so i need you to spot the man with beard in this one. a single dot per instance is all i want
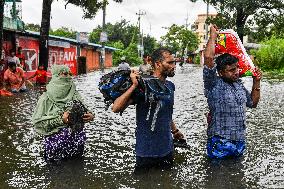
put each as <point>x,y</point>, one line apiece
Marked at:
<point>227,100</point>
<point>154,147</point>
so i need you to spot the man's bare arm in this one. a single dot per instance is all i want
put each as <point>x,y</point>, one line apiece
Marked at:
<point>209,51</point>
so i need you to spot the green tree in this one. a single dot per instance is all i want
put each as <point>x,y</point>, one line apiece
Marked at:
<point>268,25</point>
<point>271,55</point>
<point>179,38</point>
<point>235,14</point>
<point>89,7</point>
<point>64,32</point>
<point>123,36</point>
<point>32,27</point>
<point>120,31</point>
<point>150,43</point>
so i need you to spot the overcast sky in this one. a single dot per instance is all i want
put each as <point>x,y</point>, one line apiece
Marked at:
<point>159,14</point>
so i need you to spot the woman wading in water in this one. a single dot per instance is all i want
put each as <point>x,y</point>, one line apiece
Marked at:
<point>60,116</point>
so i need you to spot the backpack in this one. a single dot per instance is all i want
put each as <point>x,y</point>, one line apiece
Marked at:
<point>114,84</point>
<point>150,90</point>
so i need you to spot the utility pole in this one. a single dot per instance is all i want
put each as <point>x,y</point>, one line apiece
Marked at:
<point>141,13</point>
<point>186,21</point>
<point>142,45</point>
<point>206,25</point>
<point>103,38</point>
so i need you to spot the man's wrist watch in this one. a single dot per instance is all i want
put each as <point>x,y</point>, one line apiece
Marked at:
<point>256,89</point>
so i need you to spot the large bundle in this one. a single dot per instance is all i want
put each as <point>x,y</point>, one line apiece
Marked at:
<point>229,42</point>
<point>150,90</point>
<point>114,84</point>
<point>76,111</point>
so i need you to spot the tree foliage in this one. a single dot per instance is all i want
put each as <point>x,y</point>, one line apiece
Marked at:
<point>179,38</point>
<point>89,7</point>
<point>124,36</point>
<point>268,25</point>
<point>150,43</point>
<point>64,32</point>
<point>271,55</point>
<point>120,31</point>
<point>32,27</point>
<point>238,15</point>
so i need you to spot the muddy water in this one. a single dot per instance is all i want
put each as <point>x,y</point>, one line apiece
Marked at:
<point>109,159</point>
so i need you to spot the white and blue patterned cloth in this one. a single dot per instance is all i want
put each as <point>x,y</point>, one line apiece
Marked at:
<point>227,104</point>
<point>64,144</point>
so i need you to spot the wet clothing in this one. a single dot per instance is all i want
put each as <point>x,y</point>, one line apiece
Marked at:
<point>144,163</point>
<point>51,105</point>
<point>123,66</point>
<point>64,144</point>
<point>159,142</point>
<point>146,69</point>
<point>22,60</point>
<point>227,104</point>
<point>218,147</point>
<point>59,97</point>
<point>41,76</point>
<point>15,79</point>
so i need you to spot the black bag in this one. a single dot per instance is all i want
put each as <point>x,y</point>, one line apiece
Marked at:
<point>114,84</point>
<point>76,113</point>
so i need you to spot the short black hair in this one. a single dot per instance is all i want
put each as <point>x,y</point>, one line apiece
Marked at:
<point>145,55</point>
<point>225,59</point>
<point>157,55</point>
<point>11,64</point>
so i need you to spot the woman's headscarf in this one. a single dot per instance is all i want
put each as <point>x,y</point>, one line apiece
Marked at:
<point>59,91</point>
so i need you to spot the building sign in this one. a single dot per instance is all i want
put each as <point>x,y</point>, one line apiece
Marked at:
<point>57,55</point>
<point>59,43</point>
<point>82,37</point>
<point>103,37</point>
<point>63,56</point>
<point>31,59</point>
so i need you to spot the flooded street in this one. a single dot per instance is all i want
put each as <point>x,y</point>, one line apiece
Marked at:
<point>109,159</point>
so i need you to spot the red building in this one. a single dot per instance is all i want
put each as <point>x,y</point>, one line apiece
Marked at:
<point>61,51</point>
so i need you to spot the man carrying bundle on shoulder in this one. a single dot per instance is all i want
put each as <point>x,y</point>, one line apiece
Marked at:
<point>155,126</point>
<point>227,100</point>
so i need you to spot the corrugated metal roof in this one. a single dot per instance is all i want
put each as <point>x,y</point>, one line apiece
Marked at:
<point>70,40</point>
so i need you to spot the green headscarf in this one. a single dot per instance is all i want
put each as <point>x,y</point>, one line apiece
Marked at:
<point>51,104</point>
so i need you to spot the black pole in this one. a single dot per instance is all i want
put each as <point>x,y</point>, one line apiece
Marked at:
<point>102,62</point>
<point>44,33</point>
<point>2,2</point>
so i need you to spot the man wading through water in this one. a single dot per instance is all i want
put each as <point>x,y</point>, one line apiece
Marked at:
<point>154,147</point>
<point>227,99</point>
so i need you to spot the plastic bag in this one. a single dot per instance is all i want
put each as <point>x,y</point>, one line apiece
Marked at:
<point>229,42</point>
